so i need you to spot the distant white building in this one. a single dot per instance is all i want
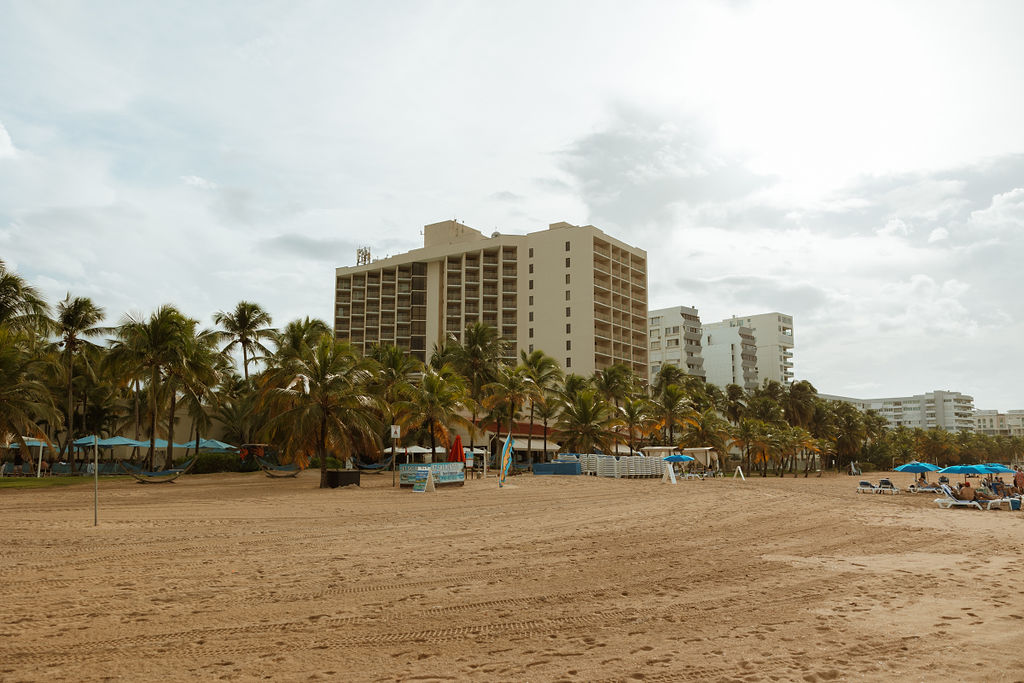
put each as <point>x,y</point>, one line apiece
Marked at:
<point>774,335</point>
<point>994,423</point>
<point>730,355</point>
<point>949,410</point>
<point>674,338</point>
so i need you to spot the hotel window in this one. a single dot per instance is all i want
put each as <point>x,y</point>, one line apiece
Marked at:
<point>531,299</point>
<point>566,261</point>
<point>568,328</point>
<point>568,362</point>
<point>531,316</point>
<point>567,278</point>
<point>568,312</point>
<point>567,295</point>
<point>567,246</point>
<point>531,269</point>
<point>568,345</point>
<point>531,286</point>
<point>531,252</point>
<point>531,348</point>
<point>531,333</point>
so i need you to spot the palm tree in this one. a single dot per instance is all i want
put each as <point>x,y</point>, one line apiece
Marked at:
<point>193,372</point>
<point>323,400</point>
<point>393,378</point>
<point>735,402</point>
<point>436,403</point>
<point>152,346</point>
<point>25,401</point>
<point>508,394</point>
<point>478,359</point>
<point>668,375</point>
<point>673,408</point>
<point>586,422</point>
<point>614,383</point>
<point>544,372</point>
<point>21,305</point>
<point>798,403</point>
<point>707,429</point>
<point>298,333</point>
<point>76,319</point>
<point>635,414</point>
<point>245,327</point>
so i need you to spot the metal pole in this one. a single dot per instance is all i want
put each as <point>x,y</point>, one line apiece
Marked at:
<point>96,481</point>
<point>394,459</point>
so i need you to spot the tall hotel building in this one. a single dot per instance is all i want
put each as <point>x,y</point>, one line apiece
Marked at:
<point>571,291</point>
<point>773,333</point>
<point>674,337</point>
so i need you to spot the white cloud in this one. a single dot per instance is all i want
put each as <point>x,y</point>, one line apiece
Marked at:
<point>937,235</point>
<point>196,181</point>
<point>7,150</point>
<point>1006,213</point>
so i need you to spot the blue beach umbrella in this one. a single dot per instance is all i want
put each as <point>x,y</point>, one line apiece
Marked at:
<point>996,468</point>
<point>679,458</point>
<point>917,467</point>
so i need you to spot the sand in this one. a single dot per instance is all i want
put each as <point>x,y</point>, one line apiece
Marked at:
<point>239,577</point>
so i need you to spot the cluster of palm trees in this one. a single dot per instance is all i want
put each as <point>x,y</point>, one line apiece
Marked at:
<point>64,374</point>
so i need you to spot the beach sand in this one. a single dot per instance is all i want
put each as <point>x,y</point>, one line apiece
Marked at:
<point>240,577</point>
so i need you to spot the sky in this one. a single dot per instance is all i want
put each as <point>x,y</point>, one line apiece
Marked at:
<point>859,166</point>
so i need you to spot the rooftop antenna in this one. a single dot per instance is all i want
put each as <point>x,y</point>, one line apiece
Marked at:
<point>362,256</point>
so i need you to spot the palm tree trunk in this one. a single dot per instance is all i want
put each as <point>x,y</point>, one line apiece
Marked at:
<point>430,428</point>
<point>152,417</point>
<point>169,462</point>
<point>529,440</point>
<point>138,421</point>
<point>322,447</point>
<point>245,363</point>
<point>71,414</point>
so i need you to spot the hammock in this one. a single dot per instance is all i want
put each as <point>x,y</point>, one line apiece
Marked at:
<point>278,471</point>
<point>374,466</point>
<point>161,477</point>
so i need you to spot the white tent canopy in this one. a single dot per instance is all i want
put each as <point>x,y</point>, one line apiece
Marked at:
<point>537,445</point>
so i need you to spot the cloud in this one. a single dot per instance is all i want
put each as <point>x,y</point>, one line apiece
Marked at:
<point>1004,214</point>
<point>641,170</point>
<point>7,150</point>
<point>937,235</point>
<point>335,251</point>
<point>506,196</point>
<point>196,181</point>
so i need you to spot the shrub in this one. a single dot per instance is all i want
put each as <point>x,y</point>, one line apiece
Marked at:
<point>207,463</point>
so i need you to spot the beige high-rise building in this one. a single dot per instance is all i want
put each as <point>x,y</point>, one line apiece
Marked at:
<point>571,291</point>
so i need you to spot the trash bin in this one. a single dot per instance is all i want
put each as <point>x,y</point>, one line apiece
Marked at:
<point>336,478</point>
<point>333,478</point>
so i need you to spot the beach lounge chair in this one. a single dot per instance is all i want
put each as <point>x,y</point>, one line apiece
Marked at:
<point>950,501</point>
<point>865,486</point>
<point>930,488</point>
<point>886,486</point>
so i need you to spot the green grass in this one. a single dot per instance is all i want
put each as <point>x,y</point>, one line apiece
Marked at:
<point>47,482</point>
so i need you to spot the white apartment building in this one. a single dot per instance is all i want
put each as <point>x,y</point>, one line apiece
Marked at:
<point>730,355</point>
<point>675,339</point>
<point>949,410</point>
<point>774,335</point>
<point>994,423</point>
<point>571,291</point>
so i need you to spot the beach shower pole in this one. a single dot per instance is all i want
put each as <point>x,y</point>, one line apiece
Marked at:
<point>396,431</point>
<point>95,481</point>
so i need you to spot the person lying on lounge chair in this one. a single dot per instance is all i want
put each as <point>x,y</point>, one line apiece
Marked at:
<point>962,491</point>
<point>921,482</point>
